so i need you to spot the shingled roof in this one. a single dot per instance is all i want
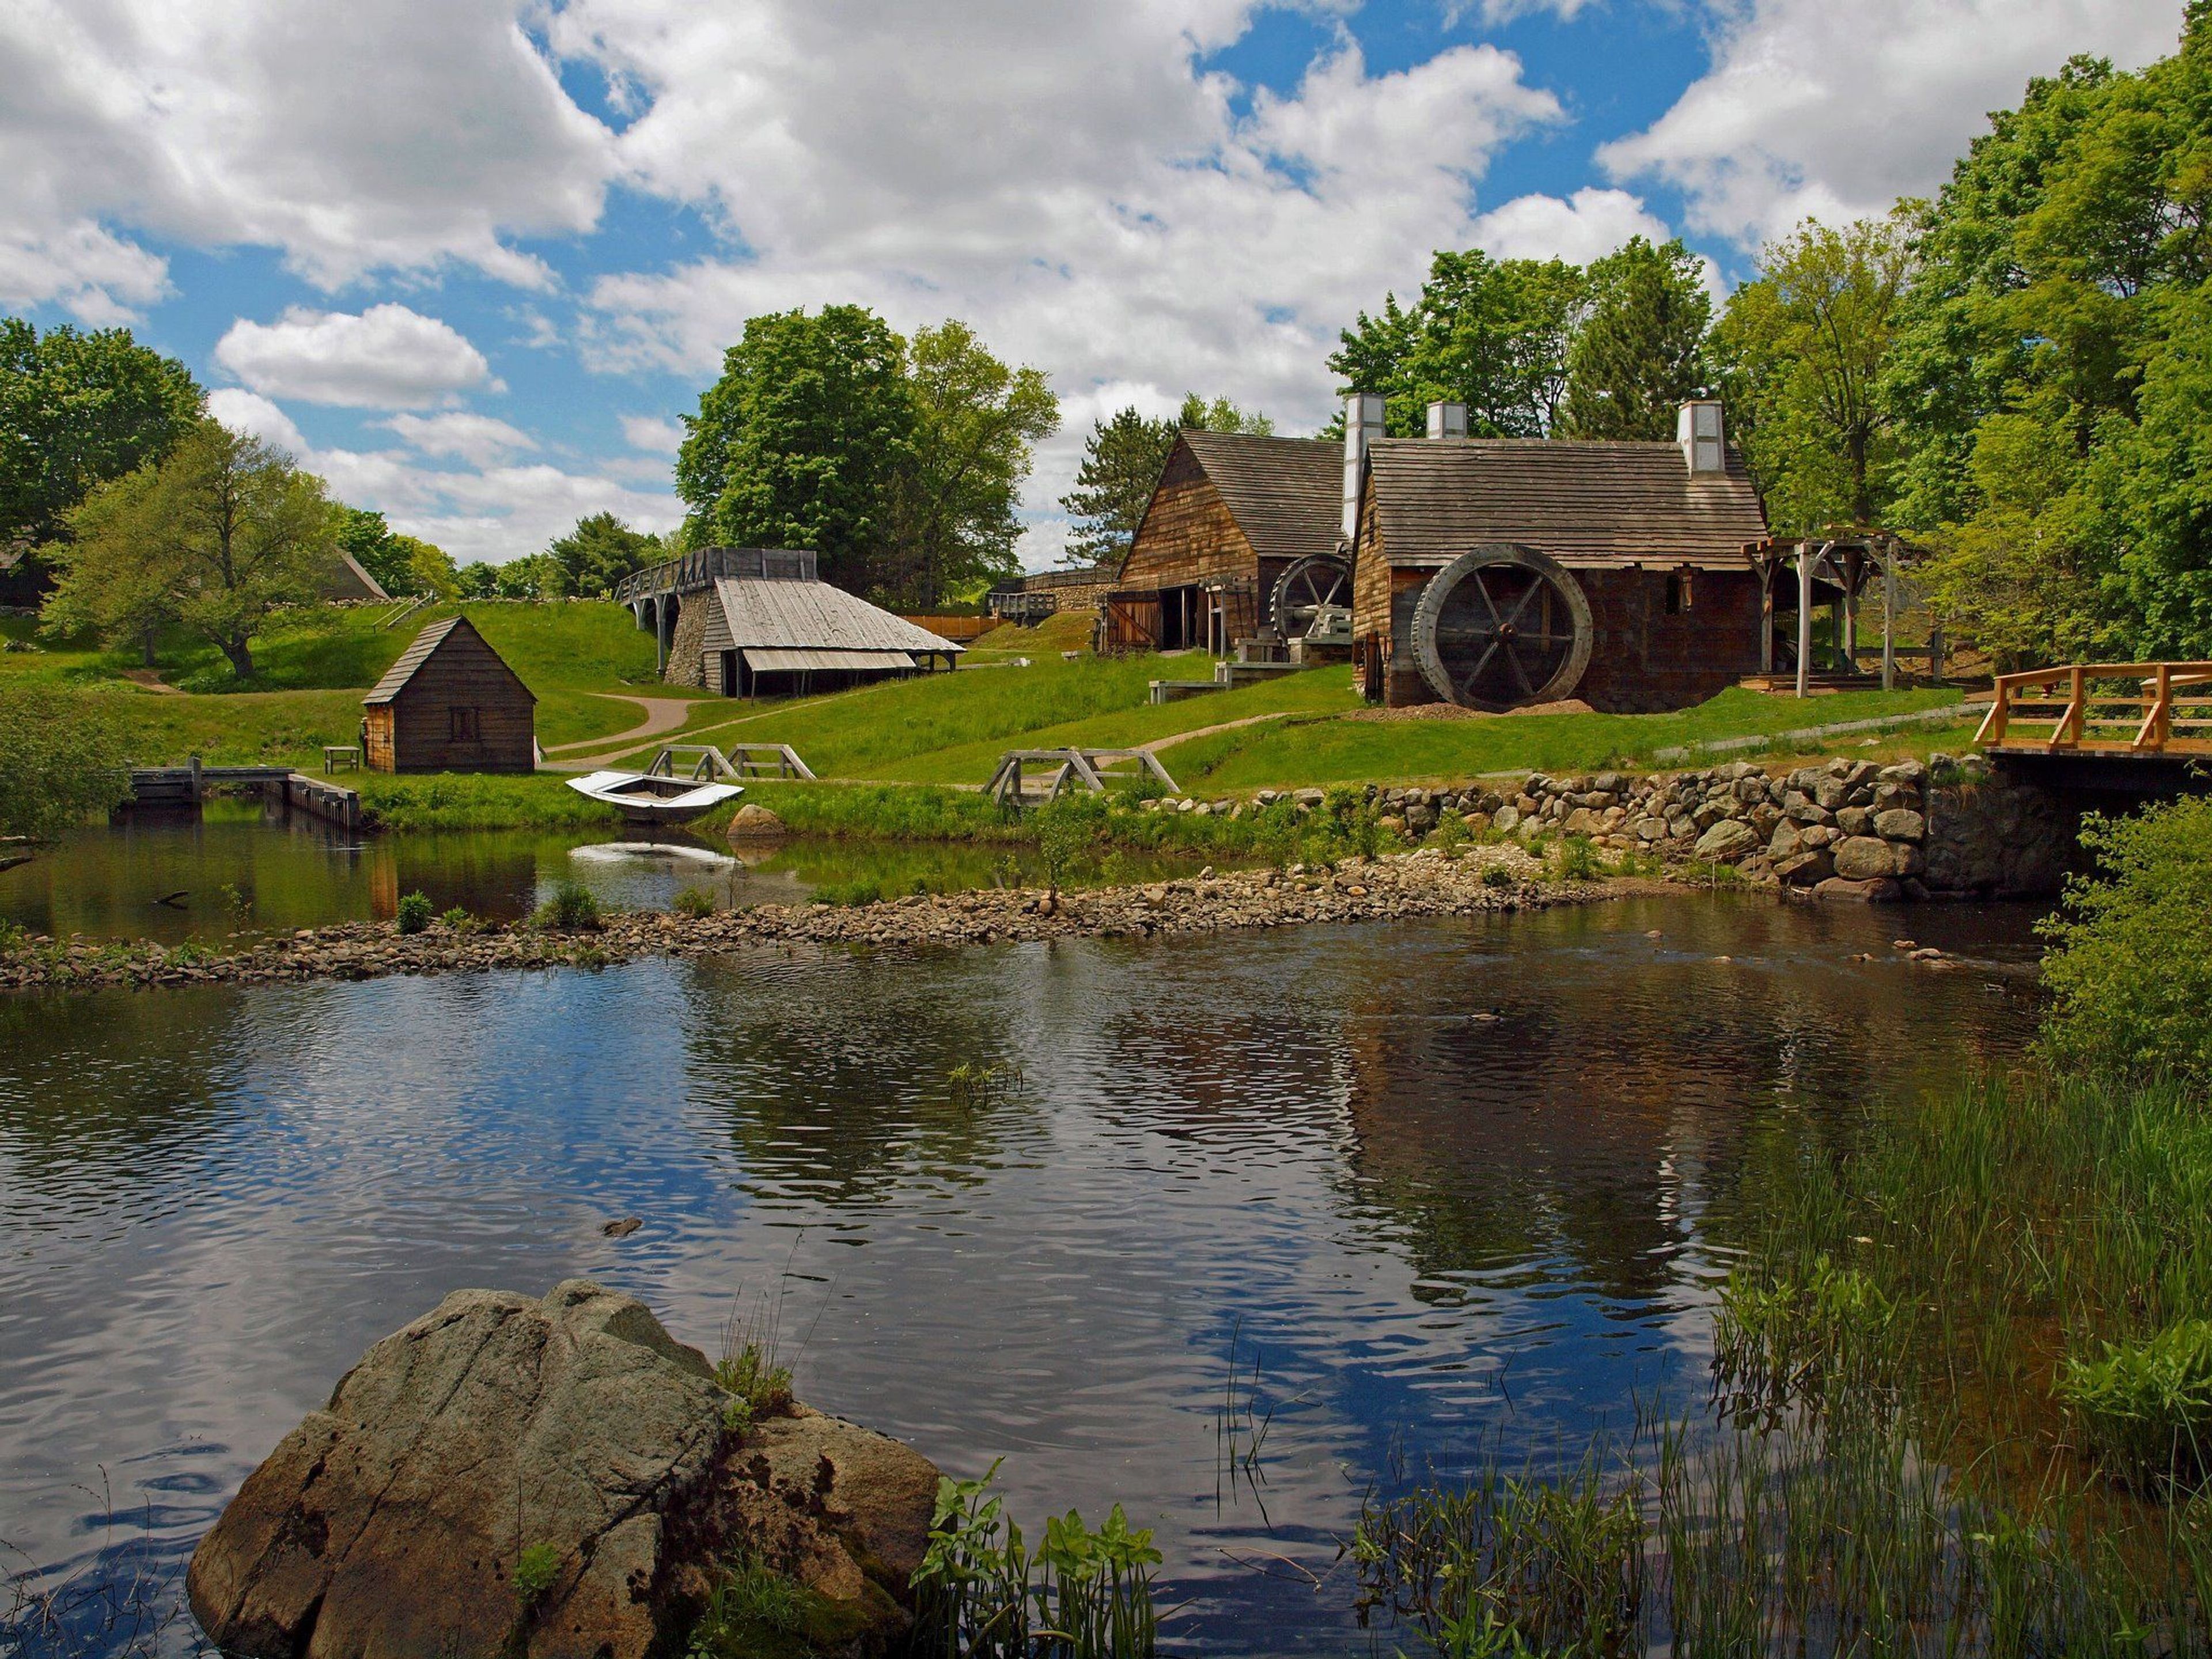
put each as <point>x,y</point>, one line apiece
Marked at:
<point>1285,493</point>
<point>1587,504</point>
<point>426,645</point>
<point>772,613</point>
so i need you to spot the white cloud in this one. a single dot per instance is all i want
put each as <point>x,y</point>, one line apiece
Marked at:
<point>79,266</point>
<point>477,438</point>
<point>1083,191</point>
<point>386,358</point>
<point>1815,109</point>
<point>255,416</point>
<point>494,513</point>
<point>1586,226</point>
<point>403,135</point>
<point>651,432</point>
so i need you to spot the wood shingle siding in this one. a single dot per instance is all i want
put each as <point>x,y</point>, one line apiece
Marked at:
<point>450,703</point>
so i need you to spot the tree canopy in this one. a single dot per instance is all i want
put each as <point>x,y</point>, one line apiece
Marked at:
<point>76,411</point>
<point>899,465</point>
<point>1121,463</point>
<point>602,550</point>
<point>1489,333</point>
<point>1639,348</point>
<point>213,538</point>
<point>402,564</point>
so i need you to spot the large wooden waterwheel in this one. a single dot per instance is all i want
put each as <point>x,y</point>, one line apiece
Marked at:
<point>1502,626</point>
<point>1317,583</point>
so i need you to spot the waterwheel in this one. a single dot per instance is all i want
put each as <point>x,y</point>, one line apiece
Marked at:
<point>1317,583</point>
<point>1501,626</point>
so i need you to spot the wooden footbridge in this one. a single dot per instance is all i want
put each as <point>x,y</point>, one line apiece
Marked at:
<point>2118,725</point>
<point>1035,774</point>
<point>183,788</point>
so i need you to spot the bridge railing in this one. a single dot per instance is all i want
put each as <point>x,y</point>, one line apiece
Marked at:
<point>2115,709</point>
<point>689,571</point>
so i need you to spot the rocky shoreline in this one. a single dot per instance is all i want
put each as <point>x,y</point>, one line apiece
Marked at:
<point>1395,887</point>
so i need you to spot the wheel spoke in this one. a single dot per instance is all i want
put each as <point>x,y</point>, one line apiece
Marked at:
<point>1475,673</point>
<point>1513,658</point>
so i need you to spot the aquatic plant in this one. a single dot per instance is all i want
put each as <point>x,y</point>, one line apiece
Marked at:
<point>458,920</point>
<point>415,913</point>
<point>1083,1595</point>
<point>976,1085</point>
<point>115,1602</point>
<point>2147,1405</point>
<point>572,908</point>
<point>861,890</point>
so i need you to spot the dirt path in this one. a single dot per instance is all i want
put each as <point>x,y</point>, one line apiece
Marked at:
<point>1175,737</point>
<point>662,714</point>
<point>151,679</point>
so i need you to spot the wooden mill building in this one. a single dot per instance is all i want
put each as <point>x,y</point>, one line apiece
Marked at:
<point>450,704</point>
<point>1231,514</point>
<point>1639,549</point>
<point>758,622</point>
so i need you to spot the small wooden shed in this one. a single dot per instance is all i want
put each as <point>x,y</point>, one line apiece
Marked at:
<point>450,704</point>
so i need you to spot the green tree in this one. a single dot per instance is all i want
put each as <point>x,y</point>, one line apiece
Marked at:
<point>218,535</point>
<point>1492,334</point>
<point>1121,463</point>
<point>599,552</point>
<point>1801,351</point>
<point>476,581</point>
<point>78,410</point>
<point>1639,349</point>
<point>429,567</point>
<point>60,761</point>
<point>801,442</point>
<point>1221,416</point>
<point>976,421</point>
<point>2050,369</point>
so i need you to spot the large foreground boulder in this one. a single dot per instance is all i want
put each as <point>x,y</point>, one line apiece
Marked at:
<point>571,1437</point>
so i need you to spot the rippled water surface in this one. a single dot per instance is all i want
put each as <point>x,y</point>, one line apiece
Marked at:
<point>1450,1186</point>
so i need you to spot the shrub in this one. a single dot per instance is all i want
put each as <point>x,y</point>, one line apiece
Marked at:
<point>458,920</point>
<point>863,891</point>
<point>2128,972</point>
<point>693,902</point>
<point>572,908</point>
<point>2147,1406</point>
<point>60,761</point>
<point>1578,860</point>
<point>415,913</point>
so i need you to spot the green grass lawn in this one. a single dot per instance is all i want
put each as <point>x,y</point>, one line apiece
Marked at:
<point>1336,750</point>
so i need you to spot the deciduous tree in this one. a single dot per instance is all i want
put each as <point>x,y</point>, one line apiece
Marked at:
<point>214,538</point>
<point>599,552</point>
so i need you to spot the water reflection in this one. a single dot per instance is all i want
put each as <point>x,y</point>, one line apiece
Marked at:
<point>1446,1186</point>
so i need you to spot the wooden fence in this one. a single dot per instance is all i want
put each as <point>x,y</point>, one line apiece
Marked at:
<point>2103,708</point>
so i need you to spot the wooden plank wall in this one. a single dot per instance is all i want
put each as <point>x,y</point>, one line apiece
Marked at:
<point>463,672</point>
<point>1188,535</point>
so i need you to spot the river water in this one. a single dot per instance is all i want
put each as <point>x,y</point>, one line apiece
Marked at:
<point>241,870</point>
<point>1449,1188</point>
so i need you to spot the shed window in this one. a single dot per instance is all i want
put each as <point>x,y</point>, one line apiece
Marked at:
<point>1678,592</point>
<point>467,725</point>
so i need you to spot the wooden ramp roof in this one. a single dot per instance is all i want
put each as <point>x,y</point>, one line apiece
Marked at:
<point>425,647</point>
<point>1285,493</point>
<point>1587,504</point>
<point>783,614</point>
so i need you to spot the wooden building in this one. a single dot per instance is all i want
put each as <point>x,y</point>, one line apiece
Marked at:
<point>1497,573</point>
<point>1232,516</point>
<point>752,621</point>
<point>450,704</point>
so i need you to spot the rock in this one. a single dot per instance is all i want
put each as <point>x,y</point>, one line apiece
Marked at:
<point>1831,792</point>
<point>1854,820</point>
<point>1900,824</point>
<point>390,1523</point>
<point>1726,841</point>
<point>1864,857</point>
<point>756,823</point>
<point>387,1522</point>
<point>1879,891</point>
<point>1806,869</point>
<point>1650,829</point>
<point>1507,819</point>
<point>623,1228</point>
<point>1582,822</point>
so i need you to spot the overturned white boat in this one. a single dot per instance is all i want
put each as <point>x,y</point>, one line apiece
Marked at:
<point>648,798</point>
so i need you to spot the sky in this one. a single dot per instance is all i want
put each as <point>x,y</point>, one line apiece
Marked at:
<point>472,261</point>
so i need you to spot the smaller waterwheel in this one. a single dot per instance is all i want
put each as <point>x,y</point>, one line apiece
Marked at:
<point>1317,584</point>
<point>1502,626</point>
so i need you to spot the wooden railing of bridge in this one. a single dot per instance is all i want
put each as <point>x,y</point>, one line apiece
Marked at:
<point>2134,708</point>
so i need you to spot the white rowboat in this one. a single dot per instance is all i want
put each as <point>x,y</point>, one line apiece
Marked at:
<point>642,798</point>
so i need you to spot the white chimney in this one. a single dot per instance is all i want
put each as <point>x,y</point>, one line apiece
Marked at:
<point>1362,425</point>
<point>1698,433</point>
<point>1447,420</point>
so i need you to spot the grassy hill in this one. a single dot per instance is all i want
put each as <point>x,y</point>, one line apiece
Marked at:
<point>1017,688</point>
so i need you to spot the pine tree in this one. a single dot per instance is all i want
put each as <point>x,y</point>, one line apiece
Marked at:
<point>1121,463</point>
<point>1641,348</point>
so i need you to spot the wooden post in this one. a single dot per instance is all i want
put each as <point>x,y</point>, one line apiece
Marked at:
<point>1936,651</point>
<point>1767,616</point>
<point>1888,616</point>
<point>1804,614</point>
<point>1854,567</point>
<point>194,764</point>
